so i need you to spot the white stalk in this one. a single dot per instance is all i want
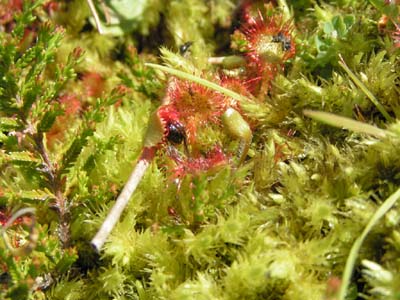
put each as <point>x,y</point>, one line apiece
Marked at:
<point>120,204</point>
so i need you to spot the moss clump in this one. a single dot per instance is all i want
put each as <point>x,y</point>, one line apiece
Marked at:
<point>74,107</point>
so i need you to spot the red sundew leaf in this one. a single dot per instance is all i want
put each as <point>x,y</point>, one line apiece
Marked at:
<point>260,76</point>
<point>194,166</point>
<point>250,9</point>
<point>192,99</point>
<point>8,9</point>
<point>195,105</point>
<point>93,83</point>
<point>269,44</point>
<point>71,104</point>
<point>167,114</point>
<point>15,4</point>
<point>51,7</point>
<point>191,129</point>
<point>27,39</point>
<point>5,216</point>
<point>237,85</point>
<point>262,33</point>
<point>332,287</point>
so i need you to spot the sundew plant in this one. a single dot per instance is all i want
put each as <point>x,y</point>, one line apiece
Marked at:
<point>191,149</point>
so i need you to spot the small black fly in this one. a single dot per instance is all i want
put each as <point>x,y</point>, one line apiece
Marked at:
<point>177,134</point>
<point>185,47</point>
<point>281,38</point>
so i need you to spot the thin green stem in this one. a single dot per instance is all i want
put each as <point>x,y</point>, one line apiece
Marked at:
<point>199,80</point>
<point>351,260</point>
<point>366,91</point>
<point>342,122</point>
<point>228,62</point>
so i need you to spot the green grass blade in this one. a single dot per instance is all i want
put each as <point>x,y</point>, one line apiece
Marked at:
<point>351,260</point>
<point>366,91</point>
<point>342,122</point>
<point>199,80</point>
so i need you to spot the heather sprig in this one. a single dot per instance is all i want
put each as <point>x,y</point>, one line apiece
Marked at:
<point>32,83</point>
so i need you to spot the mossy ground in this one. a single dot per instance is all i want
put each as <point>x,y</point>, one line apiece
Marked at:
<point>279,226</point>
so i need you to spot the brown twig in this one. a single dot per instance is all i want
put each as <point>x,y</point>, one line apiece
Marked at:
<point>61,203</point>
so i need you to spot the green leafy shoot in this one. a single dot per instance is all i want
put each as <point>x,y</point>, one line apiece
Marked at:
<point>365,90</point>
<point>351,260</point>
<point>342,122</point>
<point>390,10</point>
<point>27,17</point>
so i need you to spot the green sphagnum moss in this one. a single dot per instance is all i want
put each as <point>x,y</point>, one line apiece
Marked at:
<point>312,212</point>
